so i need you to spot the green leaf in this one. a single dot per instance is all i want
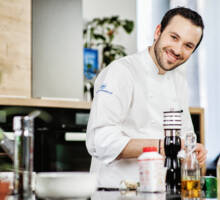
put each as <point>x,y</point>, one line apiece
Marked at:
<point>128,26</point>
<point>113,19</point>
<point>102,33</point>
<point>99,37</point>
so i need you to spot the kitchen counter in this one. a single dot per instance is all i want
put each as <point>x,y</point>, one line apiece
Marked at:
<point>123,195</point>
<point>133,195</point>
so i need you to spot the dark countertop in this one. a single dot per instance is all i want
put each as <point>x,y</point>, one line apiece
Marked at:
<point>133,195</point>
<point>121,195</point>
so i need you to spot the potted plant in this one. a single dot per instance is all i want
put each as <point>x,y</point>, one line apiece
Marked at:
<point>100,33</point>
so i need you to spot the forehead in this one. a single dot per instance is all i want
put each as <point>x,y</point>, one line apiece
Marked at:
<point>184,28</point>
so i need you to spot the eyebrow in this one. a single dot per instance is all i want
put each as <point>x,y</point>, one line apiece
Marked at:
<point>177,35</point>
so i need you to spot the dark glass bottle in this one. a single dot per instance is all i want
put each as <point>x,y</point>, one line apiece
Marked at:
<point>172,145</point>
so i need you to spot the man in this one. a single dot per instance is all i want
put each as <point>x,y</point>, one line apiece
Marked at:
<point>131,95</point>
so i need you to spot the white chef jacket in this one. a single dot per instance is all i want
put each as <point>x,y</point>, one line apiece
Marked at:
<point>129,100</point>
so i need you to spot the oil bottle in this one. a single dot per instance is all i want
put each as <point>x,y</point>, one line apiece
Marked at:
<point>190,170</point>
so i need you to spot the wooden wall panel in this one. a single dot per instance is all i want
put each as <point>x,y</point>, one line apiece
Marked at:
<point>15,48</point>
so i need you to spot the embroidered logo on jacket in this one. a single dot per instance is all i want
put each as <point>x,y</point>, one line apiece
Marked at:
<point>103,88</point>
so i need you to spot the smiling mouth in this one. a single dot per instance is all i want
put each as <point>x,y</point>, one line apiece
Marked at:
<point>171,57</point>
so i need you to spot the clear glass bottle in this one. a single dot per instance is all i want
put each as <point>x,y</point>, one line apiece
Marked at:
<point>23,153</point>
<point>190,170</point>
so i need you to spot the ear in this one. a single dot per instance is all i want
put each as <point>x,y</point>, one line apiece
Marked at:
<point>157,32</point>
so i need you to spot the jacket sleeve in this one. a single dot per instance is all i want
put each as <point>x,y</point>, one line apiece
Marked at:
<point>112,98</point>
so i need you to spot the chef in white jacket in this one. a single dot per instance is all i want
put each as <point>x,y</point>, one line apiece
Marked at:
<point>131,94</point>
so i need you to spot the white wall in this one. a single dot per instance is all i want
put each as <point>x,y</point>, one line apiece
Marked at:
<point>126,9</point>
<point>209,75</point>
<point>57,48</point>
<point>149,15</point>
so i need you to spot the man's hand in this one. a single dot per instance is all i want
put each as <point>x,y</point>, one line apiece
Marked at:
<point>201,153</point>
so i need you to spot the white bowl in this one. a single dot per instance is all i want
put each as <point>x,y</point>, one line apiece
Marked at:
<point>65,184</point>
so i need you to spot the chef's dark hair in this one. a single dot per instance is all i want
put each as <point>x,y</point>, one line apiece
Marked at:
<point>187,13</point>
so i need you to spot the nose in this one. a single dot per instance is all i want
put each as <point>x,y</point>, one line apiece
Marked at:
<point>177,49</point>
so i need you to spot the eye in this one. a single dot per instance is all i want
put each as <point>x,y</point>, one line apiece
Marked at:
<point>189,46</point>
<point>173,37</point>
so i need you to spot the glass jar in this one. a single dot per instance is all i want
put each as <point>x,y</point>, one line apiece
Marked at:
<point>190,170</point>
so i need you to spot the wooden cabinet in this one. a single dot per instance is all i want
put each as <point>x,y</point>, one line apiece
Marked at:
<point>41,48</point>
<point>15,48</point>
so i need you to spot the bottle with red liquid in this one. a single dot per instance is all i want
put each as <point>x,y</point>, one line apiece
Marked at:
<point>172,145</point>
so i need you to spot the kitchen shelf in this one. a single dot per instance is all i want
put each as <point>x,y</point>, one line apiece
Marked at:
<point>45,103</point>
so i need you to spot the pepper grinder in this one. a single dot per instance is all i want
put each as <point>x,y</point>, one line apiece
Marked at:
<point>172,145</point>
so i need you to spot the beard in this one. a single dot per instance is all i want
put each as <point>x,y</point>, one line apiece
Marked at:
<point>158,51</point>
